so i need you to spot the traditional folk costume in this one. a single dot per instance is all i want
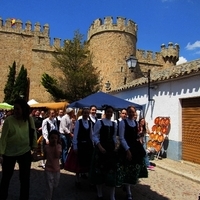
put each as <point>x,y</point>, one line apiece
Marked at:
<point>80,162</point>
<point>103,169</point>
<point>136,168</point>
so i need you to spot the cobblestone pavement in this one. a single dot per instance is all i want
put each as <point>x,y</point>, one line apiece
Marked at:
<point>162,184</point>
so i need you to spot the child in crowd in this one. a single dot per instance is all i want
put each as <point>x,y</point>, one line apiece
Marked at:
<point>52,153</point>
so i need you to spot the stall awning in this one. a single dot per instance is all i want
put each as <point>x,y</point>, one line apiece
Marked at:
<point>53,105</point>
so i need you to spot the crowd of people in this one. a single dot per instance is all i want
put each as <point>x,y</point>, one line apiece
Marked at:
<point>106,152</point>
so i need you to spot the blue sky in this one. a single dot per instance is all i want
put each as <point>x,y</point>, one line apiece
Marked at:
<point>159,21</point>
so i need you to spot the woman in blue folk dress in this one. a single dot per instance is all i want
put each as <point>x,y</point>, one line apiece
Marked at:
<point>80,155</point>
<point>132,152</point>
<point>103,169</point>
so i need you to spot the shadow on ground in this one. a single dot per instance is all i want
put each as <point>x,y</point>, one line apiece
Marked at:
<point>67,190</point>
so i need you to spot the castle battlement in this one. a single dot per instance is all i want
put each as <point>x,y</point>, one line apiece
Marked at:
<point>148,56</point>
<point>170,51</point>
<point>27,30</point>
<point>40,35</point>
<point>122,25</point>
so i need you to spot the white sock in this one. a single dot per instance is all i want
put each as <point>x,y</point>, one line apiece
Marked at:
<point>128,189</point>
<point>112,193</point>
<point>99,190</point>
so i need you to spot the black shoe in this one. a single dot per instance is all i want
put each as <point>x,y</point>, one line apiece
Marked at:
<point>99,198</point>
<point>78,185</point>
<point>152,164</point>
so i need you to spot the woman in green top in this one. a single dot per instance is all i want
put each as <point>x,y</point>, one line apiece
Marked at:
<point>15,147</point>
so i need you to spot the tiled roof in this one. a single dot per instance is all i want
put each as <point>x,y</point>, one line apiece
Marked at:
<point>172,72</point>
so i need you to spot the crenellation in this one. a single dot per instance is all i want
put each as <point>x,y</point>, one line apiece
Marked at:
<point>170,51</point>
<point>1,22</point>
<point>148,56</point>
<point>121,21</point>
<point>108,25</point>
<point>97,23</point>
<point>140,54</point>
<point>46,30</point>
<point>163,46</point>
<point>170,54</point>
<point>157,55</point>
<point>108,21</point>
<point>177,46</point>
<point>18,25</point>
<point>8,24</point>
<point>27,30</point>
<point>57,42</point>
<point>37,27</point>
<point>28,26</point>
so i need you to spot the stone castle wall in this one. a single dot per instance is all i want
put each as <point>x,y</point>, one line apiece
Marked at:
<point>30,48</point>
<point>110,43</point>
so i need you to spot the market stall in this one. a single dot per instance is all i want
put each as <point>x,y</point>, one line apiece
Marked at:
<point>52,105</point>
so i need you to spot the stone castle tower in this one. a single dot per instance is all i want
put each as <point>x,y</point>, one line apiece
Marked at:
<point>110,43</point>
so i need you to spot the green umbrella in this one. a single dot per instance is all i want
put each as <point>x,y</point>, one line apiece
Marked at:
<point>6,106</point>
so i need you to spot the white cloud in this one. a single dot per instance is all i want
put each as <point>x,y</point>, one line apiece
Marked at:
<point>193,46</point>
<point>181,60</point>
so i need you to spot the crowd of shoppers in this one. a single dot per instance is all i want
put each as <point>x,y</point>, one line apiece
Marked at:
<point>108,153</point>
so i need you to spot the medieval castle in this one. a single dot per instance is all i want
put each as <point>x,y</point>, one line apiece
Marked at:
<point>110,43</point>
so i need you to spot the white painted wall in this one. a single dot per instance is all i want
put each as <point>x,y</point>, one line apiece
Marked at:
<point>166,101</point>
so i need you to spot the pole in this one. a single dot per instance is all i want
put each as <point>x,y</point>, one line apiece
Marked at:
<point>149,79</point>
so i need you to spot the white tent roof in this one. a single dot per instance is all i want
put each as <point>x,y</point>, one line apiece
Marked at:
<point>32,101</point>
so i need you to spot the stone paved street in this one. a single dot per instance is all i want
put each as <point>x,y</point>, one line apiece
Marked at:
<point>161,185</point>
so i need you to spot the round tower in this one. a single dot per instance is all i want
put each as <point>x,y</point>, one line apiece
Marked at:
<point>171,54</point>
<point>111,44</point>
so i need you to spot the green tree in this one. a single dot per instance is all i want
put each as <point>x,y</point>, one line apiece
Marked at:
<point>10,84</point>
<point>21,85</point>
<point>81,78</point>
<point>51,85</point>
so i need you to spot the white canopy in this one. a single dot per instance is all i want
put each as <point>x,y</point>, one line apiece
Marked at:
<point>32,101</point>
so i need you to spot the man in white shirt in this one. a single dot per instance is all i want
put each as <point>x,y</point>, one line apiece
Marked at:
<point>66,133</point>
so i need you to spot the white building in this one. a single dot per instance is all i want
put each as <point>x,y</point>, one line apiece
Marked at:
<point>174,93</point>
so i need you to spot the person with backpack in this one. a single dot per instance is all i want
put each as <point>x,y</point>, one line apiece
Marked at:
<point>48,125</point>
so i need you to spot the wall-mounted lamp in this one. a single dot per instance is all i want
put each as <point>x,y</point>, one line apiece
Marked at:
<point>107,86</point>
<point>131,62</point>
